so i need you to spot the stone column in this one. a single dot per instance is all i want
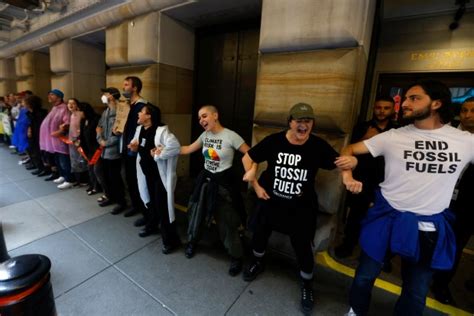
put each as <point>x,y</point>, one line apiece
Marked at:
<point>7,76</point>
<point>314,52</point>
<point>79,70</point>
<point>160,51</point>
<point>32,72</point>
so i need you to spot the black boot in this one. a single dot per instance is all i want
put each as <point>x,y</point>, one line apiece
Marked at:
<point>235,266</point>
<point>255,268</point>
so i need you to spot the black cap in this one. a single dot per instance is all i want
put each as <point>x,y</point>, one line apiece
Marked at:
<point>113,91</point>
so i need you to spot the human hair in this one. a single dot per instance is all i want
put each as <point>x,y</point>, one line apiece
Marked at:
<point>385,98</point>
<point>136,83</point>
<point>470,99</point>
<point>75,100</point>
<point>34,102</point>
<point>28,93</point>
<point>437,90</point>
<point>155,114</point>
<point>87,109</point>
<point>211,108</point>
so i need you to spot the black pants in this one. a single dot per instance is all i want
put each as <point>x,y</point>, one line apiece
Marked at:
<point>298,223</point>
<point>132,184</point>
<point>158,209</point>
<point>112,176</point>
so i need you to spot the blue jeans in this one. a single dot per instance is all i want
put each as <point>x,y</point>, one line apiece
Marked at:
<point>416,277</point>
<point>64,166</point>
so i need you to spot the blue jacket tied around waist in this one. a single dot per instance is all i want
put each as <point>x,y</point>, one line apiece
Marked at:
<point>385,227</point>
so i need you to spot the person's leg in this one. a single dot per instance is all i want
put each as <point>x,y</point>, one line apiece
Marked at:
<point>228,222</point>
<point>99,174</point>
<point>117,186</point>
<point>152,218</point>
<point>132,186</point>
<point>442,278</point>
<point>416,278</point>
<point>358,204</point>
<point>169,233</point>
<point>262,232</point>
<point>364,279</point>
<point>64,165</point>
<point>196,221</point>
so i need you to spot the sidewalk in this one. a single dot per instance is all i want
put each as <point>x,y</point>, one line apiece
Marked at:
<point>101,267</point>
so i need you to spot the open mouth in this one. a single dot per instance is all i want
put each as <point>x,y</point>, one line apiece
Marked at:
<point>204,125</point>
<point>300,130</point>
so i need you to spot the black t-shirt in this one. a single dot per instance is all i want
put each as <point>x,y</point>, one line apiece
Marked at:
<point>146,142</point>
<point>291,169</point>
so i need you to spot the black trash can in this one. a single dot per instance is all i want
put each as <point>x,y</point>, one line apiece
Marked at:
<point>25,287</point>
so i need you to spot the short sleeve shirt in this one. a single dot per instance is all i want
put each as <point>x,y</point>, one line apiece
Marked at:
<point>291,169</point>
<point>218,149</point>
<point>421,166</point>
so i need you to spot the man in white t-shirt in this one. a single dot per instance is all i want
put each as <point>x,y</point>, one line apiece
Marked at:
<point>410,217</point>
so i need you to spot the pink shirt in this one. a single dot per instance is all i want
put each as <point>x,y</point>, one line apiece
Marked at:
<point>58,115</point>
<point>75,126</point>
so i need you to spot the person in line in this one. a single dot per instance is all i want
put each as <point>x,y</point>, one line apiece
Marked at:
<point>36,114</point>
<point>111,159</point>
<point>90,146</point>
<point>78,162</point>
<point>410,217</point>
<point>287,201</point>
<point>53,128</point>
<point>369,171</point>
<point>132,86</point>
<point>216,190</point>
<point>158,151</point>
<point>463,207</point>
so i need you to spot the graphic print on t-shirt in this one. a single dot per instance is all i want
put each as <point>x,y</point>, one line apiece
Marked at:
<point>211,157</point>
<point>289,177</point>
<point>431,157</point>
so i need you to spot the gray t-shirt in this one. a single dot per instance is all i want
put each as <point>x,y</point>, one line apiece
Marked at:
<point>218,149</point>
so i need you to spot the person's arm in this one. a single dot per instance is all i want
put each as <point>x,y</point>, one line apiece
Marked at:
<point>170,147</point>
<point>189,149</point>
<point>133,145</point>
<point>351,184</point>
<point>244,148</point>
<point>250,176</point>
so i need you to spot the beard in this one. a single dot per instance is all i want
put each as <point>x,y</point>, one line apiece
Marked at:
<point>417,115</point>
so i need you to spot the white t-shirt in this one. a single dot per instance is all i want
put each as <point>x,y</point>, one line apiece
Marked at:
<point>218,149</point>
<point>421,166</point>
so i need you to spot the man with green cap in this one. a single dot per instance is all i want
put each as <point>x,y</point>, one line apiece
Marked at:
<point>287,201</point>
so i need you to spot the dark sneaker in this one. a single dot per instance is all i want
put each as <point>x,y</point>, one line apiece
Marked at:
<point>53,176</point>
<point>235,266</point>
<point>118,209</point>
<point>148,232</point>
<point>140,222</point>
<point>254,269</point>
<point>130,213</point>
<point>307,298</point>
<point>167,249</point>
<point>190,250</point>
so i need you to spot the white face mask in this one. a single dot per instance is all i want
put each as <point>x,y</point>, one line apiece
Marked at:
<point>104,99</point>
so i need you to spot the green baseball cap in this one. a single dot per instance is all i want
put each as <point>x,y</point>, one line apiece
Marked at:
<point>301,110</point>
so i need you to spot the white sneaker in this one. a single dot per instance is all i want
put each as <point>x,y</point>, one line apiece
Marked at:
<point>59,180</point>
<point>65,185</point>
<point>350,313</point>
<point>11,147</point>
